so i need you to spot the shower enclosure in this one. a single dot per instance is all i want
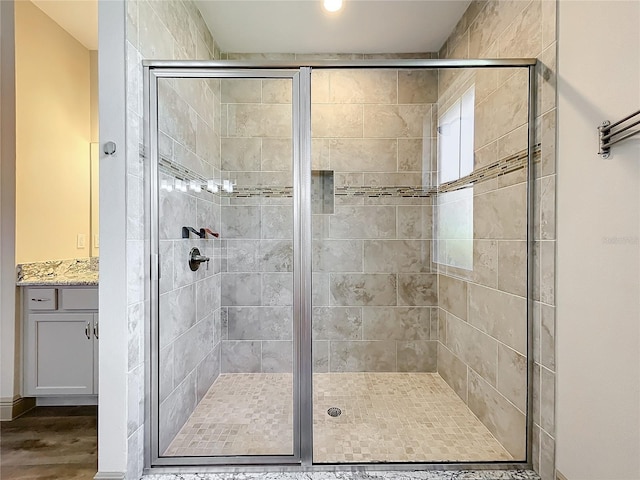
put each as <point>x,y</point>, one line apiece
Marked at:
<point>340,262</point>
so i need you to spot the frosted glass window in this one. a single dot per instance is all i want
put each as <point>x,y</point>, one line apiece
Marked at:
<point>453,212</point>
<point>467,114</point>
<point>449,145</point>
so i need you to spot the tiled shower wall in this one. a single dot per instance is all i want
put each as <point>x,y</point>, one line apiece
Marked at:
<point>374,293</point>
<point>498,29</point>
<point>171,29</point>
<point>189,312</point>
<point>257,226</point>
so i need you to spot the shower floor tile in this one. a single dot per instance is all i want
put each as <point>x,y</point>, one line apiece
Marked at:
<point>386,417</point>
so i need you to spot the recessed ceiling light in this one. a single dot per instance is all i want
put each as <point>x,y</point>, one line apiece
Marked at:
<point>332,5</point>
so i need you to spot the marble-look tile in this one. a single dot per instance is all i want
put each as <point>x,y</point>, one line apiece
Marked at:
<point>363,222</point>
<point>547,456</point>
<point>264,120</point>
<point>336,121</point>
<point>363,289</point>
<point>207,296</point>
<point>501,214</point>
<point>244,256</point>
<point>192,347</point>
<point>277,289</point>
<point>182,273</point>
<point>417,356</point>
<point>417,289</point>
<point>502,111</point>
<point>276,90</point>
<point>337,323</point>
<point>415,221</point>
<point>417,86</point>
<point>505,421</point>
<point>475,348</point>
<point>544,253</point>
<point>320,356</point>
<point>547,203</point>
<point>452,295</point>
<point>523,38</point>
<point>177,313</point>
<point>154,39</point>
<point>241,90</point>
<point>385,121</point>
<point>319,86</point>
<point>240,222</point>
<point>260,323</point>
<point>135,329</point>
<point>180,208</point>
<point>512,376</point>
<point>337,255</point>
<point>240,289</point>
<point>277,154</point>
<point>175,117</point>
<point>320,286</point>
<point>241,153</point>
<point>547,337</point>
<point>411,155</point>
<point>175,411</point>
<point>363,86</point>
<point>362,356</point>
<point>277,357</point>
<point>547,400</point>
<point>363,155</point>
<point>207,372</point>
<point>396,323</point>
<point>512,267</point>
<point>499,314</point>
<point>397,256</point>
<point>277,222</point>
<point>165,374</point>
<point>240,356</point>
<point>276,255</point>
<point>453,371</point>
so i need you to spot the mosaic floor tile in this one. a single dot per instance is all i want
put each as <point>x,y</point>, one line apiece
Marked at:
<point>386,417</point>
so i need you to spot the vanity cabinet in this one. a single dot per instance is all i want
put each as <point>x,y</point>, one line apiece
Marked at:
<point>61,334</point>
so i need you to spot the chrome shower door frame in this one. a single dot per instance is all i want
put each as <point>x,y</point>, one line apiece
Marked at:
<point>301,150</point>
<point>300,73</point>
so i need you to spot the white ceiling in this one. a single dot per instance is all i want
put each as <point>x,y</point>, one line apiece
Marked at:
<point>78,17</point>
<point>302,26</point>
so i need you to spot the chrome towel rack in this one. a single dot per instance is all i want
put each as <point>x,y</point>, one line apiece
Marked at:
<point>612,133</point>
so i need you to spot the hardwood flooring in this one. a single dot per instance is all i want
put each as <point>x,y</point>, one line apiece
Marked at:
<point>50,443</point>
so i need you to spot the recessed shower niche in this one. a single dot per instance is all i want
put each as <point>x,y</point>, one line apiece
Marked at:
<point>372,257</point>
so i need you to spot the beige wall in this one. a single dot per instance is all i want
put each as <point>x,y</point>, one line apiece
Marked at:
<point>598,407</point>
<point>53,131</point>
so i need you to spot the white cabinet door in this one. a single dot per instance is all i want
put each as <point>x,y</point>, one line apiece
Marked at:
<point>60,354</point>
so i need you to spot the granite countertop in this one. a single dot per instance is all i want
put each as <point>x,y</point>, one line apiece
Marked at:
<point>81,271</point>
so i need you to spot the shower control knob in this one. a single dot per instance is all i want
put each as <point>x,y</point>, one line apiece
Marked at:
<point>195,259</point>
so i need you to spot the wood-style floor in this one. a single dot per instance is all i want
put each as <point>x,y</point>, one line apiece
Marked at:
<point>50,443</point>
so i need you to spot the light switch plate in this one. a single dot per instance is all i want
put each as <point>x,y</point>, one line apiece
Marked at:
<point>82,240</point>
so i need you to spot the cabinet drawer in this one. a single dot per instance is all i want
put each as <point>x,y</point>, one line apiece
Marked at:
<point>41,298</point>
<point>79,299</point>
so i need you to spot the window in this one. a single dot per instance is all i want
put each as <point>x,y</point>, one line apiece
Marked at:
<point>453,212</point>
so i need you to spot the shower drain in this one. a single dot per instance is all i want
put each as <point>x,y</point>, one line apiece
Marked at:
<point>334,412</point>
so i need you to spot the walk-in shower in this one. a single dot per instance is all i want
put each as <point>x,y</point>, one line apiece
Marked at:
<point>361,288</point>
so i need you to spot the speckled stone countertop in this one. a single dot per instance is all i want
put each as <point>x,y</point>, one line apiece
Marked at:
<point>370,475</point>
<point>81,271</point>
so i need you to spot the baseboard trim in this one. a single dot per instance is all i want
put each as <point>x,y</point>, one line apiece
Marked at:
<point>72,400</point>
<point>110,476</point>
<point>12,409</point>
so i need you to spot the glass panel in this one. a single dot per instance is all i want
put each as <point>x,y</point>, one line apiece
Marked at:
<point>226,247</point>
<point>419,273</point>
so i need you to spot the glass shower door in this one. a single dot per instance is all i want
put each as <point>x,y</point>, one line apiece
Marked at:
<point>225,326</point>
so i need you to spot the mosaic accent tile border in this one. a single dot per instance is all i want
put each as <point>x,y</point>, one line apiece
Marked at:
<point>503,166</point>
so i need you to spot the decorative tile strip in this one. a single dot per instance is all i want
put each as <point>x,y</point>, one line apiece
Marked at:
<point>504,166</point>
